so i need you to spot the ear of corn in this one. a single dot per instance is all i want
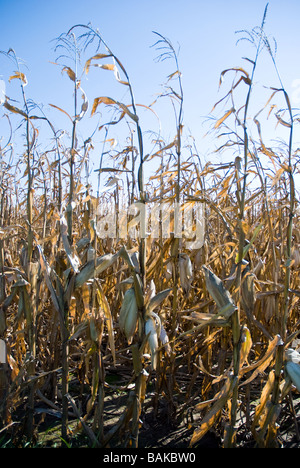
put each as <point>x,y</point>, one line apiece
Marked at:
<point>128,314</point>
<point>219,293</point>
<point>292,355</point>
<point>185,272</point>
<point>152,326</point>
<point>293,370</point>
<point>248,292</point>
<point>2,352</point>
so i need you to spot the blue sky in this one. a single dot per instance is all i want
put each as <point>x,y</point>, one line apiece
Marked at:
<point>205,32</point>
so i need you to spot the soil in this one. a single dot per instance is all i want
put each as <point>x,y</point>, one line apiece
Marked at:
<point>158,431</point>
<point>163,424</point>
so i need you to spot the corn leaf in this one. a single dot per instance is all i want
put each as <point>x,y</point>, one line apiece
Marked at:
<point>104,305</point>
<point>20,76</point>
<point>14,109</point>
<point>225,116</point>
<point>61,110</point>
<point>70,73</point>
<point>109,101</point>
<point>95,57</point>
<point>158,299</point>
<point>92,268</point>
<point>210,418</point>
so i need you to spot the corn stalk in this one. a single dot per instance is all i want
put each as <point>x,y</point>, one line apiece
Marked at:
<point>277,394</point>
<point>167,51</point>
<point>241,194</point>
<point>140,279</point>
<point>30,267</point>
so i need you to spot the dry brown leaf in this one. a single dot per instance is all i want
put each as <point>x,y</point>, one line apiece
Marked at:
<point>225,116</point>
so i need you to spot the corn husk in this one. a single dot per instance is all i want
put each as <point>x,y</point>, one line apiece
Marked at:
<point>90,254</point>
<point>165,340</point>
<point>293,370</point>
<point>152,330</point>
<point>269,307</point>
<point>258,267</point>
<point>248,292</point>
<point>152,289</point>
<point>246,344</point>
<point>219,293</point>
<point>128,314</point>
<point>295,257</point>
<point>168,272</point>
<point>292,355</point>
<point>2,352</point>
<point>185,272</point>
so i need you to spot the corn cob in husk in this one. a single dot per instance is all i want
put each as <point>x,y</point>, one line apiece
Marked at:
<point>185,272</point>
<point>128,314</point>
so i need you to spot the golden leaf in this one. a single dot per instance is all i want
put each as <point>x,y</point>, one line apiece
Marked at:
<point>70,72</point>
<point>109,101</point>
<point>107,66</point>
<point>14,109</point>
<point>95,57</point>
<point>20,76</point>
<point>225,116</point>
<point>61,110</point>
<point>210,418</point>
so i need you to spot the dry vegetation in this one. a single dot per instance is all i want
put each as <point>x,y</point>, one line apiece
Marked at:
<point>197,335</point>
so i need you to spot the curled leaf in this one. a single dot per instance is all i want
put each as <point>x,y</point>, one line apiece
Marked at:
<point>95,57</point>
<point>109,101</point>
<point>61,110</point>
<point>20,76</point>
<point>219,402</point>
<point>112,67</point>
<point>70,73</point>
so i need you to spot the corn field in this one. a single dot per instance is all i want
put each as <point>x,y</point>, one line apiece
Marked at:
<point>195,324</point>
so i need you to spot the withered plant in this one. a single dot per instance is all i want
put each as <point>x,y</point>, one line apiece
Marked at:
<point>102,330</point>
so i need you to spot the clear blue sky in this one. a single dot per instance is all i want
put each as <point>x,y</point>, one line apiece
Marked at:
<point>204,30</point>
